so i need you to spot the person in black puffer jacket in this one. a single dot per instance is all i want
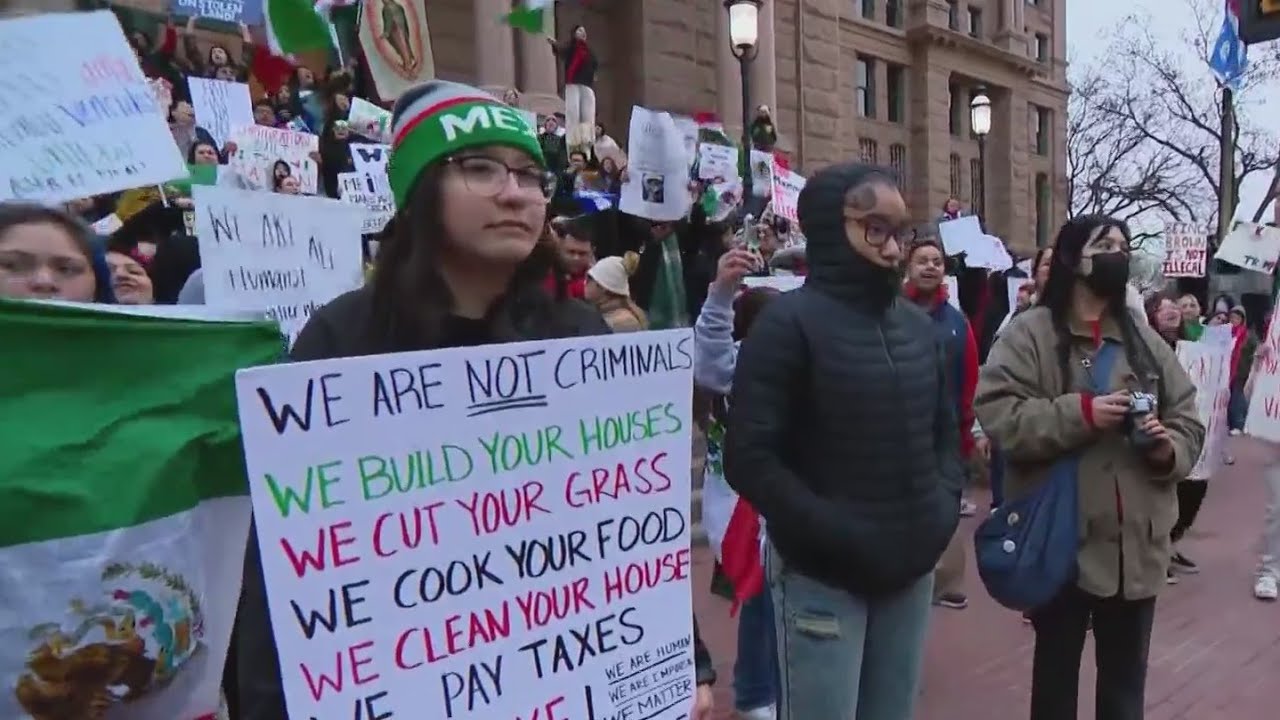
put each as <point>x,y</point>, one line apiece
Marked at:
<point>842,433</point>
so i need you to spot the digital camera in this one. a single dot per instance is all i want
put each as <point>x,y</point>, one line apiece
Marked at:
<point>1141,404</point>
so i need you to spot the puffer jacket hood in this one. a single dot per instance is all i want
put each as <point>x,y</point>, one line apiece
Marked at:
<point>834,266</point>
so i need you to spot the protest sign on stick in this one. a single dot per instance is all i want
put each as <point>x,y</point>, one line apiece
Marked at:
<point>282,255</point>
<point>490,532</point>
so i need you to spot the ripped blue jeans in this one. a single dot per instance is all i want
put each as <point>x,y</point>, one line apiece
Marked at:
<point>844,657</point>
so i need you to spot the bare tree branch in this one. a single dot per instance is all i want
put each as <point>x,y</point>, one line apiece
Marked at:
<point>1144,131</point>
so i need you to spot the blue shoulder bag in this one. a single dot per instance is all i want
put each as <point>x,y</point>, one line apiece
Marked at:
<point>1026,549</point>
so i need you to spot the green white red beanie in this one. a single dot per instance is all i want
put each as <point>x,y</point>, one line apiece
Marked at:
<point>438,118</point>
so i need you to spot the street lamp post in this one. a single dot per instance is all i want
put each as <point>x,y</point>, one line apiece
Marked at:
<point>744,32</point>
<point>980,122</point>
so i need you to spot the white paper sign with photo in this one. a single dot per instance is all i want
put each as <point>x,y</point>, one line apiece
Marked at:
<point>657,179</point>
<point>264,153</point>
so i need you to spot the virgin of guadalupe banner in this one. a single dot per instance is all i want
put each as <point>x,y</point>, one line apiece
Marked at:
<point>396,45</point>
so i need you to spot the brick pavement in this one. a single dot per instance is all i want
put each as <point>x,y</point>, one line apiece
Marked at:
<point>1215,651</point>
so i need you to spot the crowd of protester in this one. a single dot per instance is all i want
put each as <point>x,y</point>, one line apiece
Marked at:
<point>934,391</point>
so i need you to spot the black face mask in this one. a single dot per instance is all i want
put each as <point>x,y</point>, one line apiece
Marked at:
<point>1110,275</point>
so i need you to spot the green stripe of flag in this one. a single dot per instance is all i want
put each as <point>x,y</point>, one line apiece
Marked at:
<point>108,421</point>
<point>294,26</point>
<point>527,19</point>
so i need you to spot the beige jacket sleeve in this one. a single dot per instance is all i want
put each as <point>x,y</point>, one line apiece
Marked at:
<point>1177,410</point>
<point>1015,408</point>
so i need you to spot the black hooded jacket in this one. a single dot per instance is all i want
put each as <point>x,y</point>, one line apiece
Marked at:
<point>842,431</point>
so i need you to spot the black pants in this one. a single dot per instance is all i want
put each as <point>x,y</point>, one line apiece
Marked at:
<point>1190,497</point>
<point>1122,639</point>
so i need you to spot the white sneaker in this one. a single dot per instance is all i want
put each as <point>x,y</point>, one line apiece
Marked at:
<point>1266,588</point>
<point>1235,433</point>
<point>760,713</point>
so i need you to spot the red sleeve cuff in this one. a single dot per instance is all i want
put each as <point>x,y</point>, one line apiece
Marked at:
<point>1086,408</point>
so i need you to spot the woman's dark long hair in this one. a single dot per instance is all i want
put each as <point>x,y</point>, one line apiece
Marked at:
<point>410,298</point>
<point>1058,289</point>
<point>1035,262</point>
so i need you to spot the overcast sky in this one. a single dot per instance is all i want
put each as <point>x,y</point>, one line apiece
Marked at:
<point>1090,21</point>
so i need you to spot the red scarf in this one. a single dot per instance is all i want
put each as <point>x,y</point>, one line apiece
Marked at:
<point>576,60</point>
<point>1238,335</point>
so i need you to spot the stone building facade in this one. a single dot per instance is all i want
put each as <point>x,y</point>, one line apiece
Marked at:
<point>887,81</point>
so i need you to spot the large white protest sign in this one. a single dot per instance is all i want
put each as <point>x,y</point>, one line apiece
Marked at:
<point>367,158</point>
<point>1186,250</point>
<point>479,533</point>
<point>1252,247</point>
<point>220,106</point>
<point>371,192</point>
<point>657,180</point>
<point>786,192</point>
<point>281,255</point>
<point>1263,420</point>
<point>261,152</point>
<point>78,115</point>
<point>1208,365</point>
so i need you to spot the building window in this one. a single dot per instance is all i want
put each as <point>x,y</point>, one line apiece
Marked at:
<point>869,150</point>
<point>869,9</point>
<point>975,21</point>
<point>898,161</point>
<point>953,14</point>
<point>893,13</point>
<point>895,77</point>
<point>957,179</point>
<point>955,113</point>
<point>1042,47</point>
<point>1041,121</point>
<point>864,92</point>
<point>1044,210</point>
<point>975,182</point>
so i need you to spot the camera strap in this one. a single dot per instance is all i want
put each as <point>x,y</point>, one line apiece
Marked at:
<point>1099,367</point>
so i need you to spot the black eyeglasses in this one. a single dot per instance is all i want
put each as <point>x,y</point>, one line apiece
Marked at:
<point>487,177</point>
<point>877,232</point>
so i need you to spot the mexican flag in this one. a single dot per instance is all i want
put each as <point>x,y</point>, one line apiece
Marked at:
<point>124,508</point>
<point>529,15</point>
<point>292,27</point>
<point>297,26</point>
<point>734,529</point>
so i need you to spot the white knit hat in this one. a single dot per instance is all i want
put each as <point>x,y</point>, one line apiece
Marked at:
<point>611,274</point>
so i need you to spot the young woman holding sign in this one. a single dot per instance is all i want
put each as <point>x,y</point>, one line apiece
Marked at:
<point>459,265</point>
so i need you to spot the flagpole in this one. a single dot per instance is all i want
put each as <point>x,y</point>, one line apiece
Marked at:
<point>1226,163</point>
